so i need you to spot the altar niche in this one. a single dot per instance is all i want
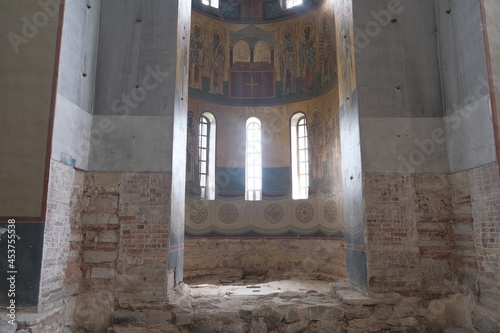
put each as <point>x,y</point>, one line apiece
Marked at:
<point>252,80</point>
<point>253,77</point>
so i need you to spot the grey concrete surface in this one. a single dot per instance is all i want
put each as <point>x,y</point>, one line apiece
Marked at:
<point>77,68</point>
<point>140,87</point>
<point>135,36</point>
<point>131,143</point>
<point>397,70</point>
<point>404,145</point>
<point>71,132</point>
<point>492,12</point>
<point>78,56</point>
<point>422,60</point>
<point>466,93</point>
<point>471,141</point>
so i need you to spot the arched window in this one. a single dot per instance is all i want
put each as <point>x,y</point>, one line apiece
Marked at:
<point>212,3</point>
<point>300,156</point>
<point>206,156</point>
<point>293,3</point>
<point>286,4</point>
<point>253,170</point>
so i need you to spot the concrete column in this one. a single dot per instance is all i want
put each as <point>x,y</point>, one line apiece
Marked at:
<point>350,146</point>
<point>423,112</point>
<point>140,109</point>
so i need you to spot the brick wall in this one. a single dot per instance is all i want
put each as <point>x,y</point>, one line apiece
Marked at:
<point>391,230</point>
<point>100,227</point>
<point>464,260</point>
<point>435,230</point>
<point>434,234</point>
<point>485,197</point>
<point>60,276</point>
<point>125,225</point>
<point>412,233</point>
<point>427,236</point>
<point>60,273</point>
<point>144,212</point>
<point>275,258</point>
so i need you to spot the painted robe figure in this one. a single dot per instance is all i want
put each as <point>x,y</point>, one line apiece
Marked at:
<point>192,149</point>
<point>325,50</point>
<point>307,54</point>
<point>287,58</point>
<point>216,60</point>
<point>196,57</point>
<point>331,144</point>
<point>315,139</point>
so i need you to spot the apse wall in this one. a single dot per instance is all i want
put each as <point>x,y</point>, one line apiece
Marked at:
<point>256,82</point>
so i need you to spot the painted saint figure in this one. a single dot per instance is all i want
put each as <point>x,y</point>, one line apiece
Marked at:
<point>315,138</point>
<point>307,57</point>
<point>196,57</point>
<point>216,61</point>
<point>331,144</point>
<point>325,51</point>
<point>287,58</point>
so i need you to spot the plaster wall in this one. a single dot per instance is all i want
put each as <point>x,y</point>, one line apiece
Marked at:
<point>131,143</point>
<point>75,91</point>
<point>470,136</point>
<point>466,92</point>
<point>404,145</point>
<point>150,40</point>
<point>491,13</point>
<point>28,56</point>
<point>275,121</point>
<point>79,52</point>
<point>399,87</point>
<point>396,58</point>
<point>72,131</point>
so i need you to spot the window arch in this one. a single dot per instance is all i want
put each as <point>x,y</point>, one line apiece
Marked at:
<point>286,4</point>
<point>241,51</point>
<point>253,160</point>
<point>206,156</point>
<point>300,156</point>
<point>293,3</point>
<point>211,3</point>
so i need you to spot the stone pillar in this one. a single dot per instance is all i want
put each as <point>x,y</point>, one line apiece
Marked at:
<point>490,11</point>
<point>29,52</point>
<point>139,126</point>
<point>350,146</point>
<point>417,123</point>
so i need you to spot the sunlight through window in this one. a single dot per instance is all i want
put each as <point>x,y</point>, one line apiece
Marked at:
<point>253,168</point>
<point>293,3</point>
<point>300,157</point>
<point>212,3</point>
<point>206,156</point>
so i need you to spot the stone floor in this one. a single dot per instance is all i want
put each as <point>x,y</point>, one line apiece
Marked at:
<point>254,286</point>
<point>254,305</point>
<point>291,306</point>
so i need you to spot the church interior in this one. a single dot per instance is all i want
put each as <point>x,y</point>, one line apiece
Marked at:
<point>250,166</point>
